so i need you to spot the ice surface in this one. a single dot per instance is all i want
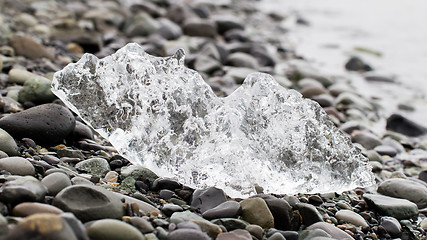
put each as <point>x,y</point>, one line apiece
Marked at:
<point>158,113</point>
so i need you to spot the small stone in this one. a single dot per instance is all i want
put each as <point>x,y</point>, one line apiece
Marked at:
<point>206,64</point>
<point>282,213</point>
<point>144,207</point>
<point>352,99</point>
<point>309,213</point>
<point>392,226</point>
<point>238,234</point>
<point>166,194</point>
<point>82,131</point>
<point>113,229</point>
<point>227,22</point>
<point>315,234</point>
<point>206,199</point>
<point>96,166</point>
<point>168,29</point>
<point>89,202</point>
<point>386,150</point>
<point>55,182</point>
<point>255,211</point>
<point>212,230</point>
<point>231,223</point>
<point>70,155</point>
<point>239,73</point>
<point>29,208</point>
<point>335,232</point>
<point>356,64</point>
<point>142,224</point>
<point>37,90</point>
<point>27,47</point>
<point>81,181</point>
<point>229,209</point>
<point>112,176</point>
<point>276,236</point>
<point>400,124</point>
<point>423,224</point>
<point>312,91</point>
<point>178,217</point>
<point>406,189</point>
<point>166,183</point>
<point>142,25</point>
<point>389,206</point>
<point>49,123</point>
<point>42,226</point>
<point>23,189</point>
<point>255,230</point>
<point>367,140</point>
<point>168,209</point>
<point>76,225</point>
<point>17,166</point>
<point>240,59</point>
<point>187,233</point>
<point>139,173</point>
<point>199,27</point>
<point>351,217</point>
<point>20,76</point>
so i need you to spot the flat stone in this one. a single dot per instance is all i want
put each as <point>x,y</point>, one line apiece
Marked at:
<point>89,202</point>
<point>8,144</point>
<point>206,199</point>
<point>227,22</point>
<point>406,189</point>
<point>106,229</point>
<point>238,234</point>
<point>29,208</point>
<point>55,182</point>
<point>81,181</point>
<point>389,206</point>
<point>42,226</point>
<point>17,166</point>
<point>229,209</point>
<point>356,64</point>
<point>47,123</point>
<point>335,232</point>
<point>255,211</point>
<point>351,217</point>
<point>23,189</point>
<point>96,166</point>
<point>166,183</point>
<point>20,76</point>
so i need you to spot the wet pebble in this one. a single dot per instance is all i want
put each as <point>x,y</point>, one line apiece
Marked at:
<point>55,182</point>
<point>23,189</point>
<point>17,165</point>
<point>107,229</point>
<point>389,206</point>
<point>50,123</point>
<point>255,211</point>
<point>406,189</point>
<point>29,208</point>
<point>89,202</point>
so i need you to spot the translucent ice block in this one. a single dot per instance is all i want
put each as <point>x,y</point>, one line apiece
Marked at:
<point>158,113</point>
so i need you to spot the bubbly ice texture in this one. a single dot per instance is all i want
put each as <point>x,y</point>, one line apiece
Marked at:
<point>158,113</point>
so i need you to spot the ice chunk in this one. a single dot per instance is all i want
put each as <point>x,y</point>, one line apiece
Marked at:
<point>158,113</point>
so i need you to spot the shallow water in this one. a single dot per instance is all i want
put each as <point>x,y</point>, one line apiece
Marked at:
<point>395,29</point>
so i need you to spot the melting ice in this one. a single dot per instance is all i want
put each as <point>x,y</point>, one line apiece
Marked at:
<point>158,113</point>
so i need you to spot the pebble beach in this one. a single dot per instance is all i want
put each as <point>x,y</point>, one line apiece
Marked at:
<point>61,180</point>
